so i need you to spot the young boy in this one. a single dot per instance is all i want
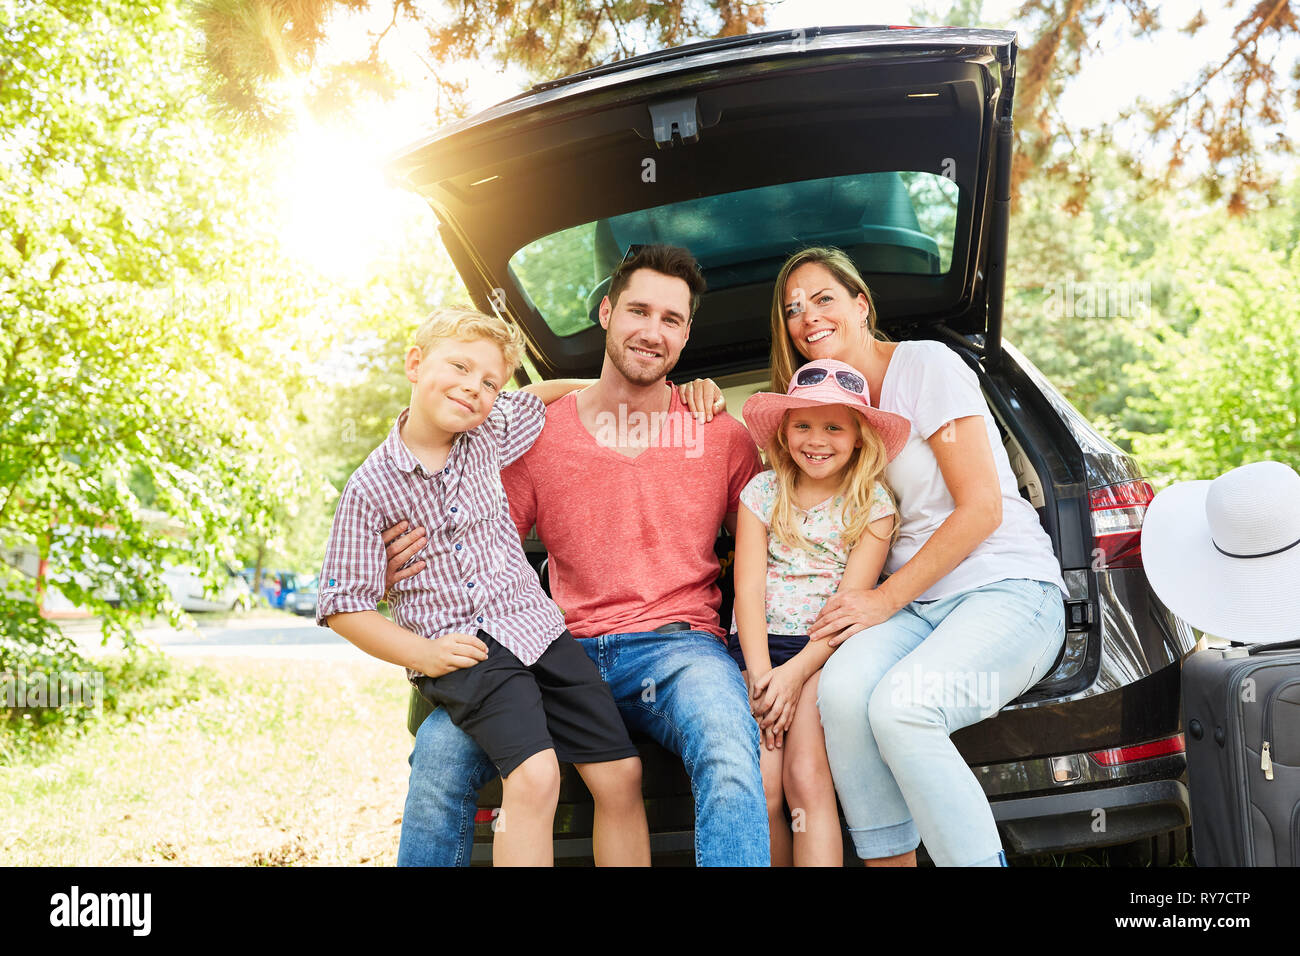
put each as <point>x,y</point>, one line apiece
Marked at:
<point>474,629</point>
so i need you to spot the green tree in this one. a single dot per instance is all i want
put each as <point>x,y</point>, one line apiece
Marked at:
<point>1082,288</point>
<point>1224,381</point>
<point>140,284</point>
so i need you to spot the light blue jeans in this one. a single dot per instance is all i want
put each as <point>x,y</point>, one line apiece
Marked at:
<point>681,689</point>
<point>891,696</point>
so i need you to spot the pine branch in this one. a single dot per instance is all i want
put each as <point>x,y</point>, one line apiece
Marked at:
<point>1207,78</point>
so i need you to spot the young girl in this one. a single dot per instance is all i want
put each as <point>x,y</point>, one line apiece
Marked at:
<point>821,519</point>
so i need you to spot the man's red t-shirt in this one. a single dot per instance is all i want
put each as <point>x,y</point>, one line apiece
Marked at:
<point>631,539</point>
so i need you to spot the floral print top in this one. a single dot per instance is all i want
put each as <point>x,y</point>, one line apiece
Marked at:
<point>801,580</point>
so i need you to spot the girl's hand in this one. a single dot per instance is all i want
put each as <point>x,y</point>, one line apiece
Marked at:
<point>767,738</point>
<point>400,545</point>
<point>777,693</point>
<point>848,612</point>
<point>703,398</point>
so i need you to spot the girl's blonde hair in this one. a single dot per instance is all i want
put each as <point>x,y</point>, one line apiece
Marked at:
<point>865,468</point>
<point>785,357</point>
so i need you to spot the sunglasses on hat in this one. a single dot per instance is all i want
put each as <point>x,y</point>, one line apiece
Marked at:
<point>849,381</point>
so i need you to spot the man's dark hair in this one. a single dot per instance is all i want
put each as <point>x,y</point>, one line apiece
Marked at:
<point>668,260</point>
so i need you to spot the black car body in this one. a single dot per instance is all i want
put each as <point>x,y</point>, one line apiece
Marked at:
<point>895,145</point>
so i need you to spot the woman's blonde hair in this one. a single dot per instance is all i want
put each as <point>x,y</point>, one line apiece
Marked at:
<point>865,468</point>
<point>466,324</point>
<point>785,357</point>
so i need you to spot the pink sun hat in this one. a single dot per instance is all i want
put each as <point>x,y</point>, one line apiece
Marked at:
<point>824,382</point>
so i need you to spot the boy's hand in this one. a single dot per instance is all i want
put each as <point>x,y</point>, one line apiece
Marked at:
<point>400,545</point>
<point>451,652</point>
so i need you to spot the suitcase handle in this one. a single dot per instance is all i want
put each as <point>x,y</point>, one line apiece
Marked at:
<point>1285,645</point>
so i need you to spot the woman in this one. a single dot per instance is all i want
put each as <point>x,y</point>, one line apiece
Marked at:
<point>970,614</point>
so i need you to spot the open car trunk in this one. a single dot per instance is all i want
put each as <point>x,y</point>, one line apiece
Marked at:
<point>893,144</point>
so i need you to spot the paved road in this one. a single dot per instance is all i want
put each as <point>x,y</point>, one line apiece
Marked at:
<point>259,635</point>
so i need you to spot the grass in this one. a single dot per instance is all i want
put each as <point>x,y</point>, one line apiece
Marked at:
<point>229,762</point>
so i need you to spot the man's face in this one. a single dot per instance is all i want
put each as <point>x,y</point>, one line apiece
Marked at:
<point>648,326</point>
<point>456,381</point>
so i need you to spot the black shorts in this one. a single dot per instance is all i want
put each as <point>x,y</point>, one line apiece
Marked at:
<point>514,711</point>
<point>780,648</point>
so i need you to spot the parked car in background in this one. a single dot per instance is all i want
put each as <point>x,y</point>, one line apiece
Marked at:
<point>896,146</point>
<point>190,591</point>
<point>276,585</point>
<point>303,599</point>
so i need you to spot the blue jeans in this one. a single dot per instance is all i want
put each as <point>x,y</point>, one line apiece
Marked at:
<point>681,689</point>
<point>891,696</point>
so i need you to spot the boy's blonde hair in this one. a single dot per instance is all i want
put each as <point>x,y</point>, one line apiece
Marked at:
<point>865,468</point>
<point>462,322</point>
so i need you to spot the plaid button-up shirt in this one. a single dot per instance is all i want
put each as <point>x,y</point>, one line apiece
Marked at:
<point>475,576</point>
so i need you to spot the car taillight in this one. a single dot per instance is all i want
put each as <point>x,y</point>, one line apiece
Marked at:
<point>1156,748</point>
<point>1117,513</point>
<point>485,816</point>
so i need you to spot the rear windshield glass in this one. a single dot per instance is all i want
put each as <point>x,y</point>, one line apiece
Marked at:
<point>891,222</point>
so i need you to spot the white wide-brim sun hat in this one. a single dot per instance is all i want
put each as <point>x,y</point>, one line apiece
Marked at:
<point>1224,555</point>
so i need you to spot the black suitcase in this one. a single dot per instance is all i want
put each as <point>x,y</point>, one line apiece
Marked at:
<point>1241,720</point>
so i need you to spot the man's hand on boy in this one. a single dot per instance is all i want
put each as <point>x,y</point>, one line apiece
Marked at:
<point>451,652</point>
<point>400,545</point>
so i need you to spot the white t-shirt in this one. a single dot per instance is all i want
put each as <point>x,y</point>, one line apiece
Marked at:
<point>929,384</point>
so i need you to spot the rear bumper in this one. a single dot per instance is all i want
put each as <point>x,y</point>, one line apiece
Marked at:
<point>1080,820</point>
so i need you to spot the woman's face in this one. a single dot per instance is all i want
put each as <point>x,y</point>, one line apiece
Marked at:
<point>823,318</point>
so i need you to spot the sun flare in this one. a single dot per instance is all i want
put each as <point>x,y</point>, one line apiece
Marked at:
<point>339,215</point>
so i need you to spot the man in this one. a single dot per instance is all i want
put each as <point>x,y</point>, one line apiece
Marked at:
<point>628,491</point>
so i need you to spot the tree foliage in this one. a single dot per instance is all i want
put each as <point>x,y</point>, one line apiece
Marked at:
<point>1196,372</point>
<point>369,387</point>
<point>140,288</point>
<point>262,55</point>
<point>1224,120</point>
<point>1078,298</point>
<point>1223,381</point>
<point>1227,117</point>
